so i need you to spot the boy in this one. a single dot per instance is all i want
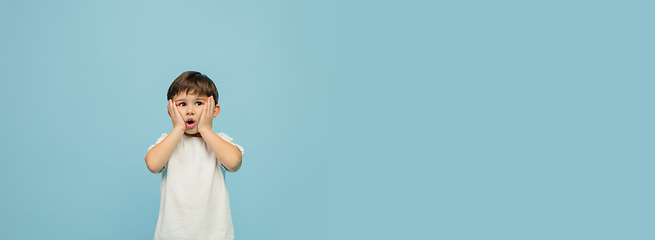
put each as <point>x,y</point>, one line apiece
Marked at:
<point>193,160</point>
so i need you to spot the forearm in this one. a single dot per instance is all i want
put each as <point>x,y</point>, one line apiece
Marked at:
<point>158,155</point>
<point>226,153</point>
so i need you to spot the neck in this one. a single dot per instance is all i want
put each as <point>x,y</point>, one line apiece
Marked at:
<point>193,135</point>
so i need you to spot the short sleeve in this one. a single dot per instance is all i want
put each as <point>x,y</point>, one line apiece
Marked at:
<point>163,135</point>
<point>230,140</point>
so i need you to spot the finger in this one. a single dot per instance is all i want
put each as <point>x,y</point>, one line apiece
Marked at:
<point>168,107</point>
<point>203,110</point>
<point>174,108</point>
<point>207,110</point>
<point>202,113</point>
<point>210,103</point>
<point>176,112</point>
<point>210,107</point>
<point>179,114</point>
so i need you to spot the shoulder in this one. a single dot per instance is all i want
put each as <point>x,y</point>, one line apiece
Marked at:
<point>161,138</point>
<point>230,140</point>
<point>225,137</point>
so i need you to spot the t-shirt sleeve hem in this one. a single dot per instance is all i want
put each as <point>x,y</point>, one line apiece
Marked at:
<point>161,138</point>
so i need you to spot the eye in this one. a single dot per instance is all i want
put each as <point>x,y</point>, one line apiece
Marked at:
<point>198,103</point>
<point>182,104</point>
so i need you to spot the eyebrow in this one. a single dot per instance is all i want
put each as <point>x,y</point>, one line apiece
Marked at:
<point>199,99</point>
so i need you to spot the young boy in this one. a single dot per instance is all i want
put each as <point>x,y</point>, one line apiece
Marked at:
<point>193,160</point>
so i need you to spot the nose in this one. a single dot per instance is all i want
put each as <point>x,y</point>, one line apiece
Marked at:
<point>190,112</point>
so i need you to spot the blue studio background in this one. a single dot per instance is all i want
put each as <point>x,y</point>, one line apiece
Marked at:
<point>359,119</point>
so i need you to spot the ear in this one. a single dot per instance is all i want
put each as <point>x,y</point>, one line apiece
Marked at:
<point>217,110</point>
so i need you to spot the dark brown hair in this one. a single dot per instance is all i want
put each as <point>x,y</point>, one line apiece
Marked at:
<point>193,82</point>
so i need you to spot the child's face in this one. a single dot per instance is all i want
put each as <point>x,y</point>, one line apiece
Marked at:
<point>190,107</point>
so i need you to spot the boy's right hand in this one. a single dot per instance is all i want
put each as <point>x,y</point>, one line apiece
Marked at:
<point>176,117</point>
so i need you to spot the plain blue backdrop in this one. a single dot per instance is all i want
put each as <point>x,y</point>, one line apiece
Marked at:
<point>359,119</point>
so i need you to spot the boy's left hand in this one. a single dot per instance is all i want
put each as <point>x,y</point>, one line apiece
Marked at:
<point>207,115</point>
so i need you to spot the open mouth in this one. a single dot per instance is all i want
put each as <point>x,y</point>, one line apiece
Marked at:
<point>190,123</point>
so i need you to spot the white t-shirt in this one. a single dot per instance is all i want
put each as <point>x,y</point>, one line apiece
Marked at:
<point>194,200</point>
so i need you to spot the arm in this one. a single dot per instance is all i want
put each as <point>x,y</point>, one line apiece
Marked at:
<point>226,153</point>
<point>158,156</point>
